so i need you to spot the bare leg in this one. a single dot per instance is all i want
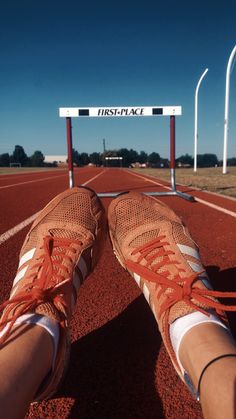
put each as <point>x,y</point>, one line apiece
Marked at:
<point>25,360</point>
<point>217,392</point>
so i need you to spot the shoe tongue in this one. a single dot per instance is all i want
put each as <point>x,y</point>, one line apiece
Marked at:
<point>66,231</point>
<point>144,238</point>
<point>67,234</point>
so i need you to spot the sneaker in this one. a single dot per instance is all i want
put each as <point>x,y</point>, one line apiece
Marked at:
<point>60,250</point>
<point>150,241</point>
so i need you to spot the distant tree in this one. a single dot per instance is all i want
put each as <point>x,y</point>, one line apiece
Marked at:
<point>83,159</point>
<point>19,156</point>
<point>164,163</point>
<point>53,164</point>
<point>154,159</point>
<point>75,157</point>
<point>37,159</point>
<point>4,160</point>
<point>133,156</point>
<point>185,159</point>
<point>143,157</point>
<point>95,158</point>
<point>124,152</point>
<point>110,153</point>
<point>231,161</point>
<point>207,160</point>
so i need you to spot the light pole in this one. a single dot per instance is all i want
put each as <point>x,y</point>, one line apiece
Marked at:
<point>196,119</point>
<point>226,121</point>
<point>104,145</point>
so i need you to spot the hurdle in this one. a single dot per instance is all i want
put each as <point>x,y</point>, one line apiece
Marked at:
<point>126,111</point>
<point>114,158</point>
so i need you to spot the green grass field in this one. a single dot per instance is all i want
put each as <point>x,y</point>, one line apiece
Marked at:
<point>210,179</point>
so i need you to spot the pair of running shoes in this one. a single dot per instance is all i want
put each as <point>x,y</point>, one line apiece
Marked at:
<point>64,244</point>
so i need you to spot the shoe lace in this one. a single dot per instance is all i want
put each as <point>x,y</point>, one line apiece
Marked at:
<point>53,285</point>
<point>177,288</point>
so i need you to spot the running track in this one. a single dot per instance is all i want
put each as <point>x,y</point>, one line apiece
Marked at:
<point>119,367</point>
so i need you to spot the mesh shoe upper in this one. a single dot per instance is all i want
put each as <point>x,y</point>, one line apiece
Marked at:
<point>152,243</point>
<point>61,248</point>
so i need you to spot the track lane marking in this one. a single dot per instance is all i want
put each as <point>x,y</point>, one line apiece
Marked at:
<point>148,180</point>
<point>216,207</point>
<point>10,233</point>
<point>17,228</point>
<point>201,201</point>
<point>93,178</point>
<point>30,181</point>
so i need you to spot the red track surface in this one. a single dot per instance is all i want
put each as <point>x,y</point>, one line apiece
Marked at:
<point>119,367</point>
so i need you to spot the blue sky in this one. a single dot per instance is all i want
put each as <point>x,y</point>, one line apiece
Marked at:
<point>77,53</point>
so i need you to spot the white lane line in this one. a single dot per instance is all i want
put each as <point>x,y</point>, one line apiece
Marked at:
<point>17,228</point>
<point>216,207</point>
<point>30,181</point>
<point>202,201</point>
<point>23,224</point>
<point>148,180</point>
<point>95,177</point>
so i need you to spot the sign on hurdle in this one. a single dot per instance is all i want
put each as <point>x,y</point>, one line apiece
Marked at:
<point>126,112</point>
<point>114,158</point>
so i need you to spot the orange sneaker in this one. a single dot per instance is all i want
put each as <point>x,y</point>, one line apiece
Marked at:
<point>60,250</point>
<point>150,241</point>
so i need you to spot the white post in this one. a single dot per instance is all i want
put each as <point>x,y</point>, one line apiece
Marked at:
<point>226,121</point>
<point>196,119</point>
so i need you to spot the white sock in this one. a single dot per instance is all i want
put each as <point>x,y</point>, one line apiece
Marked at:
<point>183,324</point>
<point>47,323</point>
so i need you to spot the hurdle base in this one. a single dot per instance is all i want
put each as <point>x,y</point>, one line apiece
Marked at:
<point>171,193</point>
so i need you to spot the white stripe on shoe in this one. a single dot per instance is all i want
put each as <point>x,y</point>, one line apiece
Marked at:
<point>137,279</point>
<point>77,277</point>
<point>146,292</point>
<point>187,250</point>
<point>203,276</point>
<point>21,271</point>
<point>80,273</point>
<point>196,267</point>
<point>27,256</point>
<point>20,275</point>
<point>143,287</point>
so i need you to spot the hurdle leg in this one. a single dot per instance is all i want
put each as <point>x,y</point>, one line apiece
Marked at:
<point>172,164</point>
<point>69,150</point>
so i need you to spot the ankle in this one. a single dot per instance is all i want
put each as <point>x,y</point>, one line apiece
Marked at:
<point>218,389</point>
<point>26,359</point>
<point>51,326</point>
<point>202,344</point>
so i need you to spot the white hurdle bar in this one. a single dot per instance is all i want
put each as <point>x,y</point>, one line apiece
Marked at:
<point>124,112</point>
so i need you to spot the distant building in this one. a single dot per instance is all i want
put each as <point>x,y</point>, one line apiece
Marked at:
<point>183,164</point>
<point>139,165</point>
<point>60,160</point>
